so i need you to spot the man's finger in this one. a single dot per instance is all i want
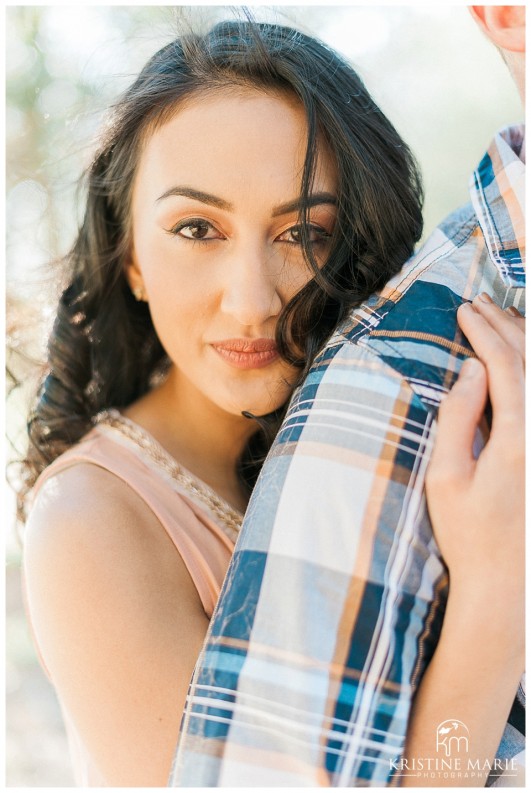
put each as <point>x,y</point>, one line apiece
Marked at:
<point>504,363</point>
<point>459,415</point>
<point>510,324</point>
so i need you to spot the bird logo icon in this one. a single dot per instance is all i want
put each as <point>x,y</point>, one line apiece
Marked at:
<point>452,737</point>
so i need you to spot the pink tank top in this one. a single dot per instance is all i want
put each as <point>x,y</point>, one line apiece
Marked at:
<point>202,526</point>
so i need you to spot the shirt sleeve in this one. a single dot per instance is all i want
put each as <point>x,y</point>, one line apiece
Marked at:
<point>334,598</point>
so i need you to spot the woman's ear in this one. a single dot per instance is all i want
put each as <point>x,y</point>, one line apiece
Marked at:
<point>503,25</point>
<point>135,280</point>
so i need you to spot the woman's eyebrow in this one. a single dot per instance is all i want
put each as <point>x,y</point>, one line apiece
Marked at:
<point>296,205</point>
<point>301,203</point>
<point>197,195</point>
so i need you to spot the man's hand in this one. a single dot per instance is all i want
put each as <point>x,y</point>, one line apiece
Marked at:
<point>477,505</point>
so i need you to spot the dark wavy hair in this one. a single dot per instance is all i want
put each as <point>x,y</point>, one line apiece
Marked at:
<point>103,350</point>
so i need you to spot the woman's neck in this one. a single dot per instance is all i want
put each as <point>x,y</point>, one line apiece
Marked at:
<point>205,439</point>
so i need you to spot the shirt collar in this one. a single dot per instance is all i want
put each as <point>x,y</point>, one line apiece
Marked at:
<point>497,189</point>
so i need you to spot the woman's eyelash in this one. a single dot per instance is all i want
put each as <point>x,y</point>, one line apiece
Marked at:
<point>199,224</point>
<point>316,234</point>
<point>321,234</point>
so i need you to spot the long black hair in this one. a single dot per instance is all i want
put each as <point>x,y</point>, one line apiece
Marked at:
<point>103,350</point>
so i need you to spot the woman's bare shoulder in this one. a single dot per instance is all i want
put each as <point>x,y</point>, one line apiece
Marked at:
<point>88,525</point>
<point>85,499</point>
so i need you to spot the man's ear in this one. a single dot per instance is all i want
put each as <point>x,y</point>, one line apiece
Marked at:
<point>503,25</point>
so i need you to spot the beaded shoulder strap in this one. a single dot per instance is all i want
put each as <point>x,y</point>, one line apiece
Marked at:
<point>229,519</point>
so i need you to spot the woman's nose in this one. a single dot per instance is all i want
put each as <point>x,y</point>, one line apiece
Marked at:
<point>251,290</point>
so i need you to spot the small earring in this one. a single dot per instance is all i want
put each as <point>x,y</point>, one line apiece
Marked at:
<point>139,293</point>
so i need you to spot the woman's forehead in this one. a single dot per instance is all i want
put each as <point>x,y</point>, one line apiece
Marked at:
<point>228,138</point>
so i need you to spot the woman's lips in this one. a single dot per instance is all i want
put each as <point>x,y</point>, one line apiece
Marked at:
<point>247,353</point>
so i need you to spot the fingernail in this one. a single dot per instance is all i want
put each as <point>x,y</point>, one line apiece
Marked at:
<point>467,307</point>
<point>485,298</point>
<point>470,368</point>
<point>513,311</point>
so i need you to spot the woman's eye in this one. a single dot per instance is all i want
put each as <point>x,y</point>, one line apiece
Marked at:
<point>197,230</point>
<point>294,235</point>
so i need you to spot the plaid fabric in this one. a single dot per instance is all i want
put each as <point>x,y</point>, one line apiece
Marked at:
<point>335,596</point>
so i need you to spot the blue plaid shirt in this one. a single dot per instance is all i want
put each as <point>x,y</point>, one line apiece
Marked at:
<point>334,599</point>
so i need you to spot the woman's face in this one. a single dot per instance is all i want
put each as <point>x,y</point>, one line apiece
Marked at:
<point>216,240</point>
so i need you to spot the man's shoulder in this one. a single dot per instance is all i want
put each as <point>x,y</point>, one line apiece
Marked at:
<point>410,327</point>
